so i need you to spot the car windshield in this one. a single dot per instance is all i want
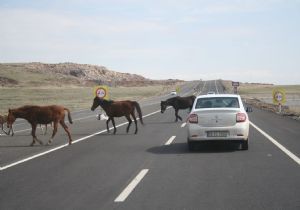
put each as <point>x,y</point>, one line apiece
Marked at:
<point>217,102</point>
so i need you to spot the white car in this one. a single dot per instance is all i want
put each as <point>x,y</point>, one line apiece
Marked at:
<point>218,117</point>
<point>173,93</point>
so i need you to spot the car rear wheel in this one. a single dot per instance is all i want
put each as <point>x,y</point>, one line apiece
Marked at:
<point>191,145</point>
<point>244,145</point>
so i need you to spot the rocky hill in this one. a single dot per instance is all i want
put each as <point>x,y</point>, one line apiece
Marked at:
<point>69,73</point>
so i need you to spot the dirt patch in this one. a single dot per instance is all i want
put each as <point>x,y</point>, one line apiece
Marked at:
<point>285,110</point>
<point>4,81</point>
<point>258,95</point>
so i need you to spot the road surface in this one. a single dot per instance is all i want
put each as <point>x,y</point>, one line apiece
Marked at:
<point>153,169</point>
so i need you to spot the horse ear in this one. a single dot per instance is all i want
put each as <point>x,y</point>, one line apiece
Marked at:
<point>9,110</point>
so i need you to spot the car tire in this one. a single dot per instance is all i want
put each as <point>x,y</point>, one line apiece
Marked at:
<point>191,145</point>
<point>244,145</point>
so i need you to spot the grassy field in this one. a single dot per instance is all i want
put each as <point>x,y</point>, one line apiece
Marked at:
<point>73,97</point>
<point>21,84</point>
<point>264,92</point>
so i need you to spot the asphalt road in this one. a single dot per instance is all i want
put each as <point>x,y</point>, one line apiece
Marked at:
<point>153,169</point>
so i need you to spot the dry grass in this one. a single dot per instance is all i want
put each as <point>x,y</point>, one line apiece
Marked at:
<point>264,92</point>
<point>295,109</point>
<point>73,97</point>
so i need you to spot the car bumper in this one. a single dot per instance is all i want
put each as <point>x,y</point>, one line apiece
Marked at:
<point>238,132</point>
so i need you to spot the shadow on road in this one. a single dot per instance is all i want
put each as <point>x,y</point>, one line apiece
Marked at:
<point>203,147</point>
<point>162,122</point>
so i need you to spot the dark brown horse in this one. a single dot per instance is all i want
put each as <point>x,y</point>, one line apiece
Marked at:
<point>178,103</point>
<point>41,115</point>
<point>119,109</point>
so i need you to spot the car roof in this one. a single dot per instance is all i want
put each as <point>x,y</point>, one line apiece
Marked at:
<point>218,96</point>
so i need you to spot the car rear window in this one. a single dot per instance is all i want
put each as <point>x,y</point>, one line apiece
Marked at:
<point>217,102</point>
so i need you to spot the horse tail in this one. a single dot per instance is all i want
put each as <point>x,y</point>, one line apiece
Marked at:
<point>139,111</point>
<point>69,115</point>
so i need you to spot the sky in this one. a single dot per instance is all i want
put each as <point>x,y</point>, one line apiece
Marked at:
<point>239,40</point>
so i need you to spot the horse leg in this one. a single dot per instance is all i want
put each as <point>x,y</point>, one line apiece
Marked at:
<point>63,124</point>
<point>129,122</point>
<point>2,126</point>
<point>107,121</point>
<point>11,130</point>
<point>113,122</point>
<point>3,130</point>
<point>177,116</point>
<point>135,122</point>
<point>54,132</point>
<point>34,138</point>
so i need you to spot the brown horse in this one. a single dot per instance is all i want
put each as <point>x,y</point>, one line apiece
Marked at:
<point>3,120</point>
<point>41,115</point>
<point>119,109</point>
<point>178,103</point>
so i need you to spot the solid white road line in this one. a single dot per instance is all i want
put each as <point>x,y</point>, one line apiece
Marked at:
<point>170,140</point>
<point>280,146</point>
<point>203,86</point>
<point>216,87</point>
<point>31,157</point>
<point>74,120</point>
<point>126,192</point>
<point>65,145</point>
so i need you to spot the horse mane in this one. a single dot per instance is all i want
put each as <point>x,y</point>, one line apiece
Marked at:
<point>109,102</point>
<point>172,99</point>
<point>23,108</point>
<point>179,97</point>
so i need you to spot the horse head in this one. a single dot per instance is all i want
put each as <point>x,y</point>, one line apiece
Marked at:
<point>10,118</point>
<point>163,106</point>
<point>96,103</point>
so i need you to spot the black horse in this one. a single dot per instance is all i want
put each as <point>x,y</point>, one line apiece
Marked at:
<point>178,103</point>
<point>119,109</point>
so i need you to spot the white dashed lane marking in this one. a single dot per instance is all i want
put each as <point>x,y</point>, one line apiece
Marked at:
<point>126,192</point>
<point>170,140</point>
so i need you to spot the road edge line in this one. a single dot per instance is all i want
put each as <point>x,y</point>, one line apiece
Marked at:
<point>276,143</point>
<point>2,168</point>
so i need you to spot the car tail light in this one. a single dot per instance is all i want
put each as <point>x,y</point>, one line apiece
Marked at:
<point>241,117</point>
<point>193,118</point>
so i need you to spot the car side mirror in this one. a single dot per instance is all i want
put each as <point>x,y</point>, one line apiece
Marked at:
<point>249,109</point>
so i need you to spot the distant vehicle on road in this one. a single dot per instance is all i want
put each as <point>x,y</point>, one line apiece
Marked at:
<point>210,93</point>
<point>218,118</point>
<point>173,93</point>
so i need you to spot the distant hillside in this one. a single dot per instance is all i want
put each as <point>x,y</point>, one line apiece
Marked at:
<point>41,74</point>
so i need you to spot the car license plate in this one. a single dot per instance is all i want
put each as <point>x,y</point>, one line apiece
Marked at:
<point>217,133</point>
